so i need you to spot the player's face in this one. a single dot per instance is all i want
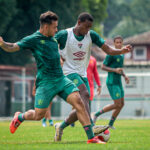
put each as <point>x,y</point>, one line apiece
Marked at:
<point>118,43</point>
<point>84,27</point>
<point>52,28</point>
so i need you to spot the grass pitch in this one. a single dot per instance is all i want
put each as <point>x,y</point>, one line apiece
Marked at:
<point>129,135</point>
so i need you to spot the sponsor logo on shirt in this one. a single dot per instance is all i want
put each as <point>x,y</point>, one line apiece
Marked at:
<point>80,55</point>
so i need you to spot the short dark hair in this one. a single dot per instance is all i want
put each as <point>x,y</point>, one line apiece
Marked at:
<point>48,17</point>
<point>85,16</point>
<point>118,37</point>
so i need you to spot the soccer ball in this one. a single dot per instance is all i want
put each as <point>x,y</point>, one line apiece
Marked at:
<point>104,136</point>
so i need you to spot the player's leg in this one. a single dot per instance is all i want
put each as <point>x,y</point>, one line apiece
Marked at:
<point>75,100</point>
<point>47,117</point>
<point>84,95</point>
<point>71,95</point>
<point>19,117</point>
<point>83,86</point>
<point>116,94</point>
<point>72,124</point>
<point>91,96</point>
<point>119,105</point>
<point>42,102</point>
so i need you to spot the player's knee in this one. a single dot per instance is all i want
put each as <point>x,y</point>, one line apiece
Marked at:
<point>118,106</point>
<point>79,104</point>
<point>39,116</point>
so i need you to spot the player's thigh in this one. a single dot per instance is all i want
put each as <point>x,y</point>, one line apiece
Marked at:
<point>114,91</point>
<point>86,82</point>
<point>81,83</point>
<point>67,87</point>
<point>76,79</point>
<point>44,95</point>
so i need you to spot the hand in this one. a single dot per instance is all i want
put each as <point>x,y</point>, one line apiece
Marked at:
<point>127,79</point>
<point>119,70</point>
<point>1,41</point>
<point>126,49</point>
<point>98,90</point>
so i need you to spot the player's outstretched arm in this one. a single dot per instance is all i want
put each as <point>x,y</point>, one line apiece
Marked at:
<point>8,47</point>
<point>112,51</point>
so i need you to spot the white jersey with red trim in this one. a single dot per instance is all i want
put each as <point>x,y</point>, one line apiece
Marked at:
<point>76,54</point>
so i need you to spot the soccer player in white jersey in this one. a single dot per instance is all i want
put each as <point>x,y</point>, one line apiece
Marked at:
<point>75,49</point>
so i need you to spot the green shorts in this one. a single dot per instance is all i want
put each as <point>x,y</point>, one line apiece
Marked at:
<point>78,80</point>
<point>45,93</point>
<point>115,91</point>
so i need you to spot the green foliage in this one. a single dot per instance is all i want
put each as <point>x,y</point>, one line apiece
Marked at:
<point>20,18</point>
<point>128,27</point>
<point>127,17</point>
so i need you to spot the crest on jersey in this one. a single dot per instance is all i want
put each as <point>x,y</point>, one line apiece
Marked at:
<point>118,60</point>
<point>80,45</point>
<point>42,41</point>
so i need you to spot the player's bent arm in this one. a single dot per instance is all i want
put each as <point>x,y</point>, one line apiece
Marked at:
<point>108,69</point>
<point>8,47</point>
<point>112,51</point>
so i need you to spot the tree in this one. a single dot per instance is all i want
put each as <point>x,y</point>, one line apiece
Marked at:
<point>22,19</point>
<point>127,18</point>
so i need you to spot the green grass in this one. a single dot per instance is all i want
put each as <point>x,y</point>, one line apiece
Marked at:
<point>129,135</point>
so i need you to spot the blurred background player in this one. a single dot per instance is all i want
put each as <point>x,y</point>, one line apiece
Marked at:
<point>113,65</point>
<point>75,48</point>
<point>92,74</point>
<point>48,117</point>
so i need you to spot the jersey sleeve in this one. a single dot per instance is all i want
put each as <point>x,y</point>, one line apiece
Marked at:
<point>96,75</point>
<point>96,39</point>
<point>61,38</point>
<point>108,60</point>
<point>26,43</point>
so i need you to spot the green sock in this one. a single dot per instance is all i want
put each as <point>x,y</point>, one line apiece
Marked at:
<point>99,113</point>
<point>89,131</point>
<point>50,121</point>
<point>112,120</point>
<point>21,117</point>
<point>64,125</point>
<point>92,123</point>
<point>44,119</point>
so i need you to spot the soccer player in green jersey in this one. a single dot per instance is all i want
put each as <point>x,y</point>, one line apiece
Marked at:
<point>50,80</point>
<point>113,65</point>
<point>75,48</point>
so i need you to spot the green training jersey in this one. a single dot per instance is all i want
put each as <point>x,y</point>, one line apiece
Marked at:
<point>45,51</point>
<point>114,62</point>
<point>61,37</point>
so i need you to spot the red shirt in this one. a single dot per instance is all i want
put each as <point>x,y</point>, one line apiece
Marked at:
<point>92,72</point>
